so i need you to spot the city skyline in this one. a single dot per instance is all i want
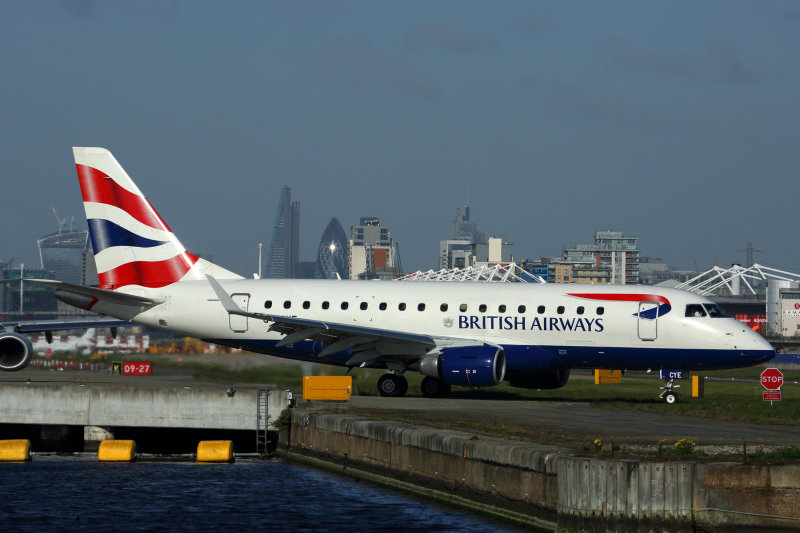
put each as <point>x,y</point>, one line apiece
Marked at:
<point>674,122</point>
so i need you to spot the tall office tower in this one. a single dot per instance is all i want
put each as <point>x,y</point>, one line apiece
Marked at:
<point>372,251</point>
<point>62,252</point>
<point>332,253</point>
<point>283,252</point>
<point>458,251</point>
<point>466,230</point>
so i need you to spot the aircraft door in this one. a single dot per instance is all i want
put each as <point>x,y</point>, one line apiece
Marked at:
<point>238,323</point>
<point>647,320</point>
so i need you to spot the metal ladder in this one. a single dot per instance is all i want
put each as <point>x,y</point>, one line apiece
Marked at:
<point>262,419</point>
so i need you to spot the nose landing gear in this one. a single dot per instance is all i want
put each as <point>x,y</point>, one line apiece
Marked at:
<point>668,393</point>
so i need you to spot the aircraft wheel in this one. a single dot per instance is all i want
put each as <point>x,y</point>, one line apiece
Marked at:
<point>392,385</point>
<point>670,397</point>
<point>434,388</point>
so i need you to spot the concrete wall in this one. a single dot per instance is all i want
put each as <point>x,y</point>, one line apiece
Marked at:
<point>133,406</point>
<point>578,493</point>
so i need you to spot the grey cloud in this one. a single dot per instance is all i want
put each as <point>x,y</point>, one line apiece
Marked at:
<point>720,63</point>
<point>358,64</point>
<point>601,108</point>
<point>163,11</point>
<point>434,36</point>
<point>534,22</point>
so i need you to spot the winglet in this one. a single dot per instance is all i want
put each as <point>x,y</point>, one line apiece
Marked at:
<point>224,298</point>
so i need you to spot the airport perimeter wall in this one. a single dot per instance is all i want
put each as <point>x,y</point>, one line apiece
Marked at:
<point>562,491</point>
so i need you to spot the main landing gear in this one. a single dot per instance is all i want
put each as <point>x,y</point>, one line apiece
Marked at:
<point>392,385</point>
<point>396,386</point>
<point>434,388</point>
<point>667,391</point>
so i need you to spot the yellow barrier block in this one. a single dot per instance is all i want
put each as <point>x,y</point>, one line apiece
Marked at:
<point>601,377</point>
<point>698,386</point>
<point>121,451</point>
<point>327,387</point>
<point>215,451</point>
<point>15,450</point>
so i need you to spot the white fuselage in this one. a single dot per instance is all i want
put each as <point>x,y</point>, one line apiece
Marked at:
<point>590,326</point>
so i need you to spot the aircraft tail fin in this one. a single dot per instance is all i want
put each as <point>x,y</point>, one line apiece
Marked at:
<point>133,246</point>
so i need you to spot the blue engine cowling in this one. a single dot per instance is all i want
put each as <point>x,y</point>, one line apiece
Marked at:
<point>468,366</point>
<point>15,351</point>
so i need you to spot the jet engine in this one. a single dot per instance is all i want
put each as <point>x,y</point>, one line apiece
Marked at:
<point>469,366</point>
<point>554,379</point>
<point>15,351</point>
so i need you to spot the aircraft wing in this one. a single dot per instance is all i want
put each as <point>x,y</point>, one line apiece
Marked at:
<point>35,326</point>
<point>365,344</point>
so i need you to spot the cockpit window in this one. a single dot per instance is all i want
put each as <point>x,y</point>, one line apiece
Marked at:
<point>695,310</point>
<point>715,311</point>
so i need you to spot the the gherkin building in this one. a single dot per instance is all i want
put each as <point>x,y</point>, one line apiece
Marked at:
<point>332,253</point>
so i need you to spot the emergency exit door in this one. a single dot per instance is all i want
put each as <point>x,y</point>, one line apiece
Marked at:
<point>238,323</point>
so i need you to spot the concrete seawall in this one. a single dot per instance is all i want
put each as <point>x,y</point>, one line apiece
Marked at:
<point>557,489</point>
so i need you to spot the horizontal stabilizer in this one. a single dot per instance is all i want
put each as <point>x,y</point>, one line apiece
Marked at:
<point>113,297</point>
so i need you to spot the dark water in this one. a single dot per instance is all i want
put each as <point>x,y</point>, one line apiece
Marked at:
<point>78,493</point>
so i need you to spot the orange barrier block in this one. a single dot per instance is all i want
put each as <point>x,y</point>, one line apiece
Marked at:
<point>327,387</point>
<point>601,377</point>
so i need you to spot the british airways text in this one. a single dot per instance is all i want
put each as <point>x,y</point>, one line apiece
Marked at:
<point>521,322</point>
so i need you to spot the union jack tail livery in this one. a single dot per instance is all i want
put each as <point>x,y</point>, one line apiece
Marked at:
<point>133,246</point>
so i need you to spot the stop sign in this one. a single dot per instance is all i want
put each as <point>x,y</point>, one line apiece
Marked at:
<point>772,379</point>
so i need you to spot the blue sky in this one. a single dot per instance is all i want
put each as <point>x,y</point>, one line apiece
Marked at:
<point>676,122</point>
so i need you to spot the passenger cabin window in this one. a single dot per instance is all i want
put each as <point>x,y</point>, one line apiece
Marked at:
<point>287,304</point>
<point>306,304</point>
<point>421,307</point>
<point>326,305</point>
<point>363,306</point>
<point>715,311</point>
<point>560,309</point>
<point>601,310</point>
<point>345,305</point>
<point>482,308</point>
<point>268,304</point>
<point>540,309</point>
<point>402,306</point>
<point>382,306</point>
<point>501,309</point>
<point>580,309</point>
<point>463,308</point>
<point>695,310</point>
<point>521,309</point>
<point>443,307</point>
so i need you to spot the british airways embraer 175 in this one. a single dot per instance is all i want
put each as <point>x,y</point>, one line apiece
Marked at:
<point>455,333</point>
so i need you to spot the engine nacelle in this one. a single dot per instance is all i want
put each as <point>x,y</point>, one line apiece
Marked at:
<point>469,366</point>
<point>15,351</point>
<point>554,379</point>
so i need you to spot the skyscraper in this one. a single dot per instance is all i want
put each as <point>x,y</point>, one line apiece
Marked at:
<point>283,252</point>
<point>332,252</point>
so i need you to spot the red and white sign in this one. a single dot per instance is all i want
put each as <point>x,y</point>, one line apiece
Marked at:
<point>772,379</point>
<point>137,368</point>
<point>772,395</point>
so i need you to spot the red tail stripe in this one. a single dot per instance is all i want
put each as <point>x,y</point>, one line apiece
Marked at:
<point>148,273</point>
<point>623,297</point>
<point>97,187</point>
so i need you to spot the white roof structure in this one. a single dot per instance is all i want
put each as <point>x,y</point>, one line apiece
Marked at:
<point>733,278</point>
<point>509,272</point>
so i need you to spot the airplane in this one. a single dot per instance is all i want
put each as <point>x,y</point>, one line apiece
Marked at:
<point>42,345</point>
<point>454,333</point>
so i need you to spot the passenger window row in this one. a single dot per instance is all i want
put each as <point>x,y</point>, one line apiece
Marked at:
<point>482,308</point>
